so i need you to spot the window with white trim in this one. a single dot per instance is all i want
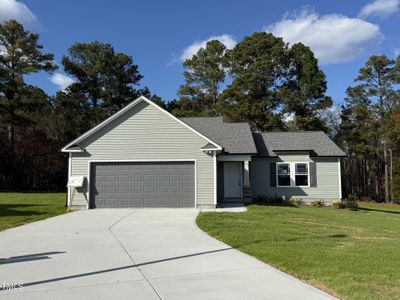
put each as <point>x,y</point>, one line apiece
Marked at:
<point>301,174</point>
<point>283,174</point>
<point>296,174</point>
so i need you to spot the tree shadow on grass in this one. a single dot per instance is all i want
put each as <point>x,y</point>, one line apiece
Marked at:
<point>379,210</point>
<point>282,204</point>
<point>338,235</point>
<point>7,210</point>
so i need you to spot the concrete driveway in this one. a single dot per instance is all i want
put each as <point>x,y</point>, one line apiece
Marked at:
<point>134,254</point>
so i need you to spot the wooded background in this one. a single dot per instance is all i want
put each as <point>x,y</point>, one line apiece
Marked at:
<point>262,80</point>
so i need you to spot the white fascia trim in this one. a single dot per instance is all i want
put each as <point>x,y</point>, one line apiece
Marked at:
<point>71,151</point>
<point>69,175</point>
<point>340,179</point>
<point>126,108</point>
<point>215,179</point>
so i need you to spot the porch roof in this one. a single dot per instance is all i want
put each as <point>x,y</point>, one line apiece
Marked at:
<point>315,142</point>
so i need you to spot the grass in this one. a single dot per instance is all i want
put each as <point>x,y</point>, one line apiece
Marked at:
<point>350,254</point>
<point>20,208</point>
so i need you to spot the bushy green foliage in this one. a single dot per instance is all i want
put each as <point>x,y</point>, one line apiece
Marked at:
<point>296,201</point>
<point>337,204</point>
<point>318,203</point>
<point>351,201</point>
<point>269,199</point>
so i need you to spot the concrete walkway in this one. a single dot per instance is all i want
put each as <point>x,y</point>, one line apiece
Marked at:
<point>134,254</point>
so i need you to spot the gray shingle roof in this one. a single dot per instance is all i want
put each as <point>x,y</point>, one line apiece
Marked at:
<point>317,142</point>
<point>235,138</point>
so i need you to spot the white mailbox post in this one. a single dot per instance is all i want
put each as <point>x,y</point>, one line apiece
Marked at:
<point>74,182</point>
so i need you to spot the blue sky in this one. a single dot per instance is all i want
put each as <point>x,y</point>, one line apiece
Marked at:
<point>159,33</point>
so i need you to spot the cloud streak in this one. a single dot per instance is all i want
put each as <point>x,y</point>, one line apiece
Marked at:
<point>226,39</point>
<point>11,9</point>
<point>61,80</point>
<point>380,8</point>
<point>333,38</point>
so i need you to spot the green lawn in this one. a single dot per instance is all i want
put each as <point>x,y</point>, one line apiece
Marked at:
<point>351,254</point>
<point>21,208</point>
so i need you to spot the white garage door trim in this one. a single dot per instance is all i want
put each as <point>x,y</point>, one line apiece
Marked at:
<point>140,160</point>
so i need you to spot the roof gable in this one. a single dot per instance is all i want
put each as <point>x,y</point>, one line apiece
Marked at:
<point>71,147</point>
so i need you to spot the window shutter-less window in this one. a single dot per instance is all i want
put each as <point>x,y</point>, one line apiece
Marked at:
<point>272,174</point>
<point>313,174</point>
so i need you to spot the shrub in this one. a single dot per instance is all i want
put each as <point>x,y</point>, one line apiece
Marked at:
<point>269,199</point>
<point>317,203</point>
<point>351,201</point>
<point>337,204</point>
<point>296,201</point>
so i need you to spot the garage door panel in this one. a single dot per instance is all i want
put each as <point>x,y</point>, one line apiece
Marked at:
<point>137,178</point>
<point>123,190</point>
<point>149,178</point>
<point>110,201</point>
<point>124,167</point>
<point>149,201</point>
<point>163,177</point>
<point>123,201</point>
<point>162,190</point>
<point>137,184</point>
<point>136,202</point>
<point>175,178</point>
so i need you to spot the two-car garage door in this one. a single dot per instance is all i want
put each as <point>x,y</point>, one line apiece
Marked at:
<point>142,184</point>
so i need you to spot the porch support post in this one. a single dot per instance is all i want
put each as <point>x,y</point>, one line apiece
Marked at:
<point>246,173</point>
<point>215,177</point>
<point>246,182</point>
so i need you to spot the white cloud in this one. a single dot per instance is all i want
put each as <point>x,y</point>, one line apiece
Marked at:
<point>11,9</point>
<point>380,8</point>
<point>333,38</point>
<point>61,80</point>
<point>191,50</point>
<point>396,52</point>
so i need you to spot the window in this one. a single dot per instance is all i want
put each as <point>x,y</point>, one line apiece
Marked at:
<point>293,174</point>
<point>283,174</point>
<point>301,175</point>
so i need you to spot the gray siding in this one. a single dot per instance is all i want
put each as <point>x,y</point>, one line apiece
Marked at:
<point>145,133</point>
<point>327,178</point>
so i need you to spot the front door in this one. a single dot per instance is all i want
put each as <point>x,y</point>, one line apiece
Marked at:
<point>232,179</point>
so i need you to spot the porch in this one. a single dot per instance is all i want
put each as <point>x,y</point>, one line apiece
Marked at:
<point>233,179</point>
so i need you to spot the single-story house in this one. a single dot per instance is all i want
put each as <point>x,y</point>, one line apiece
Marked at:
<point>145,156</point>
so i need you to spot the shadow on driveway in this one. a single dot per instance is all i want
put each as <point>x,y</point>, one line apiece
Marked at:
<point>120,268</point>
<point>28,257</point>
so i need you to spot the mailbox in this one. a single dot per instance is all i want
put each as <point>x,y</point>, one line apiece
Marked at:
<point>76,181</point>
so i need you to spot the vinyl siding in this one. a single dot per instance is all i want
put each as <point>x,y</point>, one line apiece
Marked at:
<point>145,133</point>
<point>328,187</point>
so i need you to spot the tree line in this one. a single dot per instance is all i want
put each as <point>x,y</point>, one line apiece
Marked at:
<point>33,125</point>
<point>262,80</point>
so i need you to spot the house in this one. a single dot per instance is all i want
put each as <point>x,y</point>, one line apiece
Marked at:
<point>144,156</point>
